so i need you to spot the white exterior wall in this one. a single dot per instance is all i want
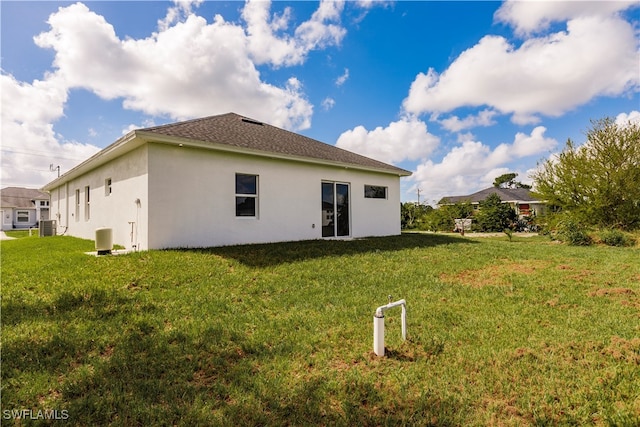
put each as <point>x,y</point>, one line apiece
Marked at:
<point>7,219</point>
<point>192,199</point>
<point>128,175</point>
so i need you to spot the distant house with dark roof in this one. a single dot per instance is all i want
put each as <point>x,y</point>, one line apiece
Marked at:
<point>224,180</point>
<point>520,199</point>
<point>23,207</point>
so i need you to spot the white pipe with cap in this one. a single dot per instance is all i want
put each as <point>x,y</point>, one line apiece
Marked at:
<point>378,324</point>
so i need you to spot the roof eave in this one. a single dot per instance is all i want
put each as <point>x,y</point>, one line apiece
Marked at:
<point>136,138</point>
<point>121,146</point>
<point>188,142</point>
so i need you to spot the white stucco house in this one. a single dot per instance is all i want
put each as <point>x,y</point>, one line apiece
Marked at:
<point>225,180</point>
<point>22,207</point>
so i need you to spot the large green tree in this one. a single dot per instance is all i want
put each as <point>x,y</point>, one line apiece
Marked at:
<point>597,183</point>
<point>413,214</point>
<point>508,180</point>
<point>494,215</point>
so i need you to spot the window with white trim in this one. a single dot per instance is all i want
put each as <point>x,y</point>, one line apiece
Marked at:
<point>77,212</point>
<point>87,203</point>
<point>22,216</point>
<point>246,195</point>
<point>375,192</point>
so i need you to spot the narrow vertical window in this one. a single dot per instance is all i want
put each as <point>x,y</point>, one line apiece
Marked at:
<point>246,195</point>
<point>77,213</point>
<point>107,187</point>
<point>87,203</point>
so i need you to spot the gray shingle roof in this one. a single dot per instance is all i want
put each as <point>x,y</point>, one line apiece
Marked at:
<point>505,194</point>
<point>242,132</point>
<point>19,197</point>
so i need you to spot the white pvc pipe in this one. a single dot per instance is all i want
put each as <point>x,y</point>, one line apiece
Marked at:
<point>378,335</point>
<point>378,325</point>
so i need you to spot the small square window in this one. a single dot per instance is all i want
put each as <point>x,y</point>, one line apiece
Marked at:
<point>245,206</point>
<point>246,184</point>
<point>22,216</point>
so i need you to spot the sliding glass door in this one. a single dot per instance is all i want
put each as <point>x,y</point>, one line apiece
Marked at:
<point>335,209</point>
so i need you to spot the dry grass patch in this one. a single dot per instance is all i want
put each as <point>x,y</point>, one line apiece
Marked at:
<point>502,273</point>
<point>626,296</point>
<point>611,291</point>
<point>624,350</point>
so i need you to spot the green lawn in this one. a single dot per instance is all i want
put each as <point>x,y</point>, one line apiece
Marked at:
<point>502,333</point>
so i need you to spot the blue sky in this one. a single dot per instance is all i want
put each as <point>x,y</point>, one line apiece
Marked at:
<point>456,92</point>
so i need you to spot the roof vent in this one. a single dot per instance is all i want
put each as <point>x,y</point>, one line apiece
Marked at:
<point>253,122</point>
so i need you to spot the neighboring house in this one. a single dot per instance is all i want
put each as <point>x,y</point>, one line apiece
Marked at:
<point>23,207</point>
<point>225,180</point>
<point>520,199</point>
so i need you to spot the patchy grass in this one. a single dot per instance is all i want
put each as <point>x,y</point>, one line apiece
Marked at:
<point>518,333</point>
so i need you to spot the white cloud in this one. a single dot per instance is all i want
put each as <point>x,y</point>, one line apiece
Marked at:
<point>368,4</point>
<point>192,68</point>
<point>455,124</point>
<point>624,118</point>
<point>527,145</point>
<point>328,103</point>
<point>343,78</point>
<point>316,32</point>
<point>407,139</point>
<point>264,44</point>
<point>188,68</point>
<point>533,16</point>
<point>267,43</point>
<point>181,10</point>
<point>596,56</point>
<point>472,165</point>
<point>29,142</point>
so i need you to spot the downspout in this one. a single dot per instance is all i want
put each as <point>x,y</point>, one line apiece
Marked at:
<point>66,211</point>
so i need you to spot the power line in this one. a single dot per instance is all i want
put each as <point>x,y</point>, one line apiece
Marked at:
<point>51,155</point>
<point>22,168</point>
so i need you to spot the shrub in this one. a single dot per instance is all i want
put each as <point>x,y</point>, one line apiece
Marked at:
<point>573,233</point>
<point>615,238</point>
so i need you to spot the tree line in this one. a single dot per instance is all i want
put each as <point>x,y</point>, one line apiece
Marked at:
<point>595,185</point>
<point>491,215</point>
